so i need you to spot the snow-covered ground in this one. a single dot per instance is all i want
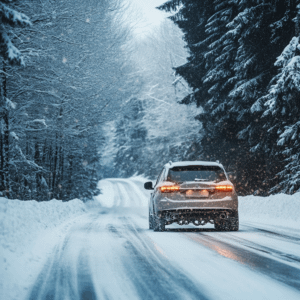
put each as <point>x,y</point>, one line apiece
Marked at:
<point>28,232</point>
<point>39,240</point>
<point>274,210</point>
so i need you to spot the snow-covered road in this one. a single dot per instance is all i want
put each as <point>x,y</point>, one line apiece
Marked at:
<point>111,254</point>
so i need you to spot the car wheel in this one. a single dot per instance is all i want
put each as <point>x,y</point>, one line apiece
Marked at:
<point>235,222</point>
<point>150,221</point>
<point>223,225</point>
<point>218,226</point>
<point>162,225</point>
<point>231,224</point>
<point>159,224</point>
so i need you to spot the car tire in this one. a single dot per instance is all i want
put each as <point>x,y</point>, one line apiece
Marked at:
<point>217,226</point>
<point>235,222</point>
<point>159,224</point>
<point>150,221</point>
<point>232,224</point>
<point>223,225</point>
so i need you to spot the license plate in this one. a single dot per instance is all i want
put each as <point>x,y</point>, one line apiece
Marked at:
<point>200,194</point>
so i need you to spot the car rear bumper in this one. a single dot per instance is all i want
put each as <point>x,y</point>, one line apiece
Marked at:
<point>225,203</point>
<point>202,216</point>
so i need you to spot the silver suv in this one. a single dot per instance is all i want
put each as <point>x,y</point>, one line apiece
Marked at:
<point>195,192</point>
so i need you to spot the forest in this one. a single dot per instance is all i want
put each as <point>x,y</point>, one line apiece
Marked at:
<point>243,68</point>
<point>83,99</point>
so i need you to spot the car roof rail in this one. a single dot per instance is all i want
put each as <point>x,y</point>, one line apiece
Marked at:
<point>170,162</point>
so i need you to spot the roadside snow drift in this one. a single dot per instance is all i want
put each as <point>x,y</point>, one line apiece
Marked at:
<point>280,209</point>
<point>28,230</point>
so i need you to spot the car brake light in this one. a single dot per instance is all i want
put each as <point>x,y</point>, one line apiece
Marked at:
<point>169,189</point>
<point>224,188</point>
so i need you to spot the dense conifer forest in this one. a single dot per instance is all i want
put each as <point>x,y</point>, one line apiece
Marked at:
<point>243,68</point>
<point>83,99</point>
<point>62,72</point>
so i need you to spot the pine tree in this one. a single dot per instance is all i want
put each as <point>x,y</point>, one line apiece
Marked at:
<point>235,52</point>
<point>280,115</point>
<point>10,18</point>
<point>258,46</point>
<point>191,17</point>
<point>219,140</point>
<point>74,80</point>
<point>130,140</point>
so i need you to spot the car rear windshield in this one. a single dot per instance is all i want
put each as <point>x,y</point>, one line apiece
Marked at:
<point>196,173</point>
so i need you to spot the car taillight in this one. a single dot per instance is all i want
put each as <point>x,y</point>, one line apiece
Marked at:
<point>169,189</point>
<point>224,188</point>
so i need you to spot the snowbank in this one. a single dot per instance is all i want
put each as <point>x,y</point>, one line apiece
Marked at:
<point>280,209</point>
<point>22,220</point>
<point>28,232</point>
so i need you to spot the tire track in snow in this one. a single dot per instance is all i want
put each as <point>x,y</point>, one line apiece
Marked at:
<point>65,276</point>
<point>136,201</point>
<point>128,200</point>
<point>132,191</point>
<point>154,277</point>
<point>118,200</point>
<point>109,248</point>
<point>275,269</point>
<point>273,234</point>
<point>260,248</point>
<point>142,198</point>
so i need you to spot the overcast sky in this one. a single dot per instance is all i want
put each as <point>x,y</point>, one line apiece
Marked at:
<point>147,16</point>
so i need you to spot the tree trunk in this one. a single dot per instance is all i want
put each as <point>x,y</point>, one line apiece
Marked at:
<point>55,167</point>
<point>70,175</point>
<point>2,110</point>
<point>5,115</point>
<point>297,23</point>
<point>2,160</point>
<point>61,171</point>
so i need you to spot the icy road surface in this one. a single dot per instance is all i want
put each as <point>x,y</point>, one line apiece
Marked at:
<point>111,254</point>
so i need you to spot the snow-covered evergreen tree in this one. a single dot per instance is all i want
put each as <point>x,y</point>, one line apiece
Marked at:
<point>230,66</point>
<point>191,17</point>
<point>9,18</point>
<point>281,114</point>
<point>130,139</point>
<point>9,54</point>
<point>258,46</point>
<point>75,79</point>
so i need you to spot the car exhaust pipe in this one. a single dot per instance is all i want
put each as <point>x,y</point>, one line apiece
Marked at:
<point>183,222</point>
<point>223,216</point>
<point>200,222</point>
<point>180,222</point>
<point>196,222</point>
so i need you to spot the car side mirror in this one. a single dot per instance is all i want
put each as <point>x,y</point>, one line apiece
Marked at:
<point>148,185</point>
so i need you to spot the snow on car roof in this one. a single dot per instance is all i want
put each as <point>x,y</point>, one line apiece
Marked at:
<point>192,163</point>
